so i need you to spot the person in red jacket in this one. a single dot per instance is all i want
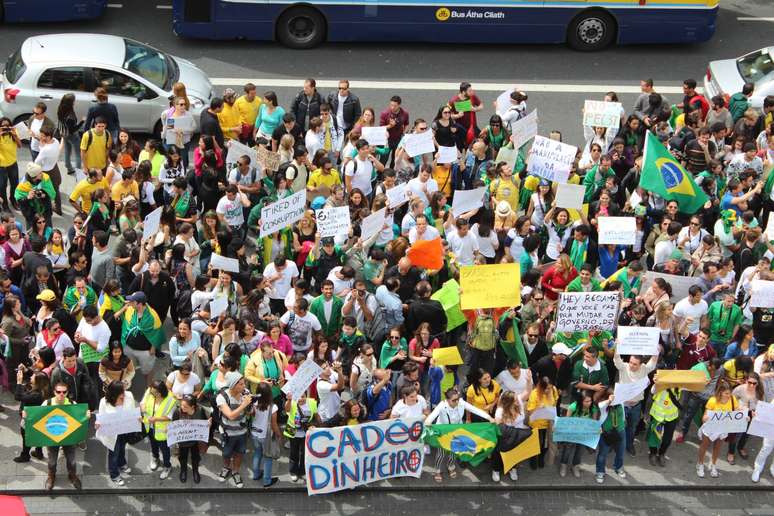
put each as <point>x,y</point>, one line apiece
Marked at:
<point>557,277</point>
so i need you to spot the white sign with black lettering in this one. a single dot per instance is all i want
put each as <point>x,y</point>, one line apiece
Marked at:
<point>638,340</point>
<point>551,160</point>
<point>584,311</point>
<point>333,221</point>
<point>281,214</point>
<point>617,230</point>
<point>188,430</point>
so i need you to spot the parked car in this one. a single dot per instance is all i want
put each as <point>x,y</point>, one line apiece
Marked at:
<point>727,76</point>
<point>138,78</point>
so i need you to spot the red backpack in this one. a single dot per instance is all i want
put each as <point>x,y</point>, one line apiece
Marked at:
<point>705,105</point>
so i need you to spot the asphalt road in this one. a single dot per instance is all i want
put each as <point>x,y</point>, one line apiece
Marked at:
<point>400,64</point>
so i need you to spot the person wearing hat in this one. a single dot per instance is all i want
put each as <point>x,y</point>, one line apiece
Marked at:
<point>34,194</point>
<point>235,404</point>
<point>228,118</point>
<point>141,333</point>
<point>555,366</point>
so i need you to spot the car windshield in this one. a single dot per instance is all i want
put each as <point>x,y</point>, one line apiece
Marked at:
<point>756,67</point>
<point>150,64</point>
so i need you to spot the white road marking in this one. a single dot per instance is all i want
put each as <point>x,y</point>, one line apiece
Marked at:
<point>750,18</point>
<point>115,6</point>
<point>453,86</point>
<point>164,6</point>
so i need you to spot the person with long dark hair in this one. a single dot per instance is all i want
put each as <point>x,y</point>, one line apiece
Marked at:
<point>30,393</point>
<point>189,409</point>
<point>68,126</point>
<point>117,398</point>
<point>9,166</point>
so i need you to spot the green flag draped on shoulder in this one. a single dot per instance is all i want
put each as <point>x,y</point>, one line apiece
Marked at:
<point>663,175</point>
<point>472,442</point>
<point>56,425</point>
<point>510,339</point>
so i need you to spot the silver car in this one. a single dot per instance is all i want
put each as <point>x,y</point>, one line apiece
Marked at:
<point>138,78</point>
<point>727,76</point>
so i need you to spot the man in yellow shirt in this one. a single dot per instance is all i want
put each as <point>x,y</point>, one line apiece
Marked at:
<point>229,117</point>
<point>505,188</point>
<point>325,176</point>
<point>85,188</point>
<point>248,105</point>
<point>95,144</point>
<point>126,187</point>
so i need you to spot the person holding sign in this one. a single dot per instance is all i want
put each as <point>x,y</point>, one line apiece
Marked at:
<point>749,394</point>
<point>116,398</point>
<point>613,436</point>
<point>722,401</point>
<point>465,105</point>
<point>52,452</point>
<point>265,434</point>
<point>631,372</point>
<point>583,407</point>
<point>189,410</point>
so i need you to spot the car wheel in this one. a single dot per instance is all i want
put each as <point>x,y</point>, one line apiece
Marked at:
<point>301,27</point>
<point>592,30</point>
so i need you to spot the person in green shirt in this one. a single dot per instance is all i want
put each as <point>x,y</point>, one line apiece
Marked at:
<point>590,374</point>
<point>584,407</point>
<point>595,178</point>
<point>585,281</point>
<point>373,270</point>
<point>350,340</point>
<point>327,303</point>
<point>613,437</point>
<point>724,318</point>
<point>394,351</point>
<point>630,278</point>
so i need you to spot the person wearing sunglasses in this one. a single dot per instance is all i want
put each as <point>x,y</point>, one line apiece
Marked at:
<point>61,392</point>
<point>749,394</point>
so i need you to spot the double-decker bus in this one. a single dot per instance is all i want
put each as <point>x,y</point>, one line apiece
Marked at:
<point>35,11</point>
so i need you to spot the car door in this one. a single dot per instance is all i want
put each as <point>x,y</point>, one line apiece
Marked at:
<point>54,82</point>
<point>137,110</point>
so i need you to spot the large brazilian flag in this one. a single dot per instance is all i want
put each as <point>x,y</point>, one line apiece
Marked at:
<point>472,442</point>
<point>56,425</point>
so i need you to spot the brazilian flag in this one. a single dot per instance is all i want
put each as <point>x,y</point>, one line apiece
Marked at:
<point>472,442</point>
<point>56,425</point>
<point>662,174</point>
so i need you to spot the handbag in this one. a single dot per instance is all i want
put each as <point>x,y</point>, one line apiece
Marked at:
<point>271,445</point>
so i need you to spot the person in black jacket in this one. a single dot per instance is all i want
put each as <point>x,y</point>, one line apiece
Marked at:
<point>581,238</point>
<point>30,394</point>
<point>68,127</point>
<point>72,372</point>
<point>307,103</point>
<point>106,110</point>
<point>424,309</point>
<point>158,286</point>
<point>557,366</point>
<point>208,121</point>
<point>350,111</point>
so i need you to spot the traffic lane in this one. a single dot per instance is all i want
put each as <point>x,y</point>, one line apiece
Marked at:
<point>141,20</point>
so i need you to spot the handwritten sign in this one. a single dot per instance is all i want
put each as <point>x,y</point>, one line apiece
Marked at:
<point>22,131</point>
<point>584,311</point>
<point>490,286</point>
<point>467,200</point>
<point>348,456</point>
<point>119,422</point>
<point>372,224</point>
<point>724,422</point>
<point>268,160</point>
<point>150,226</point>
<point>624,392</point>
<point>551,160</point>
<point>236,150</point>
<point>447,356</point>
<point>397,195</point>
<point>617,230</point>
<point>578,430</point>
<point>597,113</point>
<point>222,263</point>
<point>524,130</point>
<point>447,154</point>
<point>333,221</point>
<point>638,340</point>
<point>419,143</point>
<point>300,382</point>
<point>570,196</point>
<point>762,424</point>
<point>281,214</point>
<point>680,284</point>
<point>376,136</point>
<point>762,293</point>
<point>188,430</point>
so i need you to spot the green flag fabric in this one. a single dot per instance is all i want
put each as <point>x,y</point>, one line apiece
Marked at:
<point>510,340</point>
<point>449,297</point>
<point>56,425</point>
<point>663,175</point>
<point>471,443</point>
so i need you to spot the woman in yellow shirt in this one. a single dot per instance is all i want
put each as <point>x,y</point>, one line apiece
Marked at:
<point>483,394</point>
<point>543,396</point>
<point>9,169</point>
<point>722,401</point>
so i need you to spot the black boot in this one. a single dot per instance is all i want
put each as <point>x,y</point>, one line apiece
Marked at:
<point>183,474</point>
<point>195,473</point>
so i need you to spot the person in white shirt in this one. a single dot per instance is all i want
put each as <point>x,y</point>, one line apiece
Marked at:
<point>516,111</point>
<point>312,139</point>
<point>230,209</point>
<point>633,371</point>
<point>664,248</point>
<point>343,278</point>
<point>422,230</point>
<point>279,274</point>
<point>693,308</point>
<point>416,207</point>
<point>411,404</point>
<point>360,304</point>
<point>53,337</point>
<point>463,243</point>
<point>359,171</point>
<point>300,326</point>
<point>329,384</point>
<point>93,332</point>
<point>423,185</point>
<point>300,289</point>
<point>487,240</point>
<point>47,157</point>
<point>516,380</point>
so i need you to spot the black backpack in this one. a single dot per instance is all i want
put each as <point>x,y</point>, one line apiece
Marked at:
<point>183,304</point>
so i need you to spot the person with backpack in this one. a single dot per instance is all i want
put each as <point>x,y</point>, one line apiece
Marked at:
<point>104,110</point>
<point>482,341</point>
<point>95,144</point>
<point>300,326</point>
<point>693,101</point>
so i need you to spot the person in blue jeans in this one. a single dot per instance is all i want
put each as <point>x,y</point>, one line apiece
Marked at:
<point>263,429</point>
<point>613,438</point>
<point>116,399</point>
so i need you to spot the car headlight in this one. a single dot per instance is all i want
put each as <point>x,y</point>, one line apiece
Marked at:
<point>196,102</point>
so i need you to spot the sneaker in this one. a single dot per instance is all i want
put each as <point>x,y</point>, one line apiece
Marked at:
<point>273,481</point>
<point>293,477</point>
<point>165,473</point>
<point>287,444</point>
<point>700,470</point>
<point>513,474</point>
<point>756,475</point>
<point>563,470</point>
<point>154,464</point>
<point>713,471</point>
<point>117,482</point>
<point>600,478</point>
<point>125,471</point>
<point>237,479</point>
<point>576,471</point>
<point>38,454</point>
<point>621,473</point>
<point>495,476</point>
<point>21,458</point>
<point>224,474</point>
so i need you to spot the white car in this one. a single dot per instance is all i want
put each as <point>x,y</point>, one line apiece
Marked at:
<point>138,78</point>
<point>727,76</point>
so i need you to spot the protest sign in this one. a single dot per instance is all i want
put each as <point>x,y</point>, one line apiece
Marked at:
<point>525,129</point>
<point>281,214</point>
<point>333,221</point>
<point>551,160</point>
<point>376,136</point>
<point>236,150</point>
<point>119,422</point>
<point>762,293</point>
<point>449,297</point>
<point>467,200</point>
<point>397,195</point>
<point>548,413</point>
<point>597,113</point>
<point>150,226</point>
<point>579,430</point>
<point>347,456</point>
<point>300,382</point>
<point>529,448</point>
<point>222,263</point>
<point>680,284</point>
<point>617,230</point>
<point>177,126</point>
<point>463,106</point>
<point>693,381</point>
<point>490,286</point>
<point>638,340</point>
<point>188,430</point>
<point>724,422</point>
<point>570,196</point>
<point>56,425</point>
<point>22,131</point>
<point>762,424</point>
<point>583,311</point>
<point>447,356</point>
<point>372,224</point>
<point>624,392</point>
<point>507,155</point>
<point>447,154</point>
<point>218,305</point>
<point>419,143</point>
<point>268,160</point>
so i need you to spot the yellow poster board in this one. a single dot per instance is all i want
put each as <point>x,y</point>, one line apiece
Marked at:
<point>447,356</point>
<point>490,286</point>
<point>693,381</point>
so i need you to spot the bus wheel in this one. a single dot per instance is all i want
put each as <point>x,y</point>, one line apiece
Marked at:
<point>301,27</point>
<point>593,30</point>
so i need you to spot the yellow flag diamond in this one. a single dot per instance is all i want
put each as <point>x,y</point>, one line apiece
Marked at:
<point>57,425</point>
